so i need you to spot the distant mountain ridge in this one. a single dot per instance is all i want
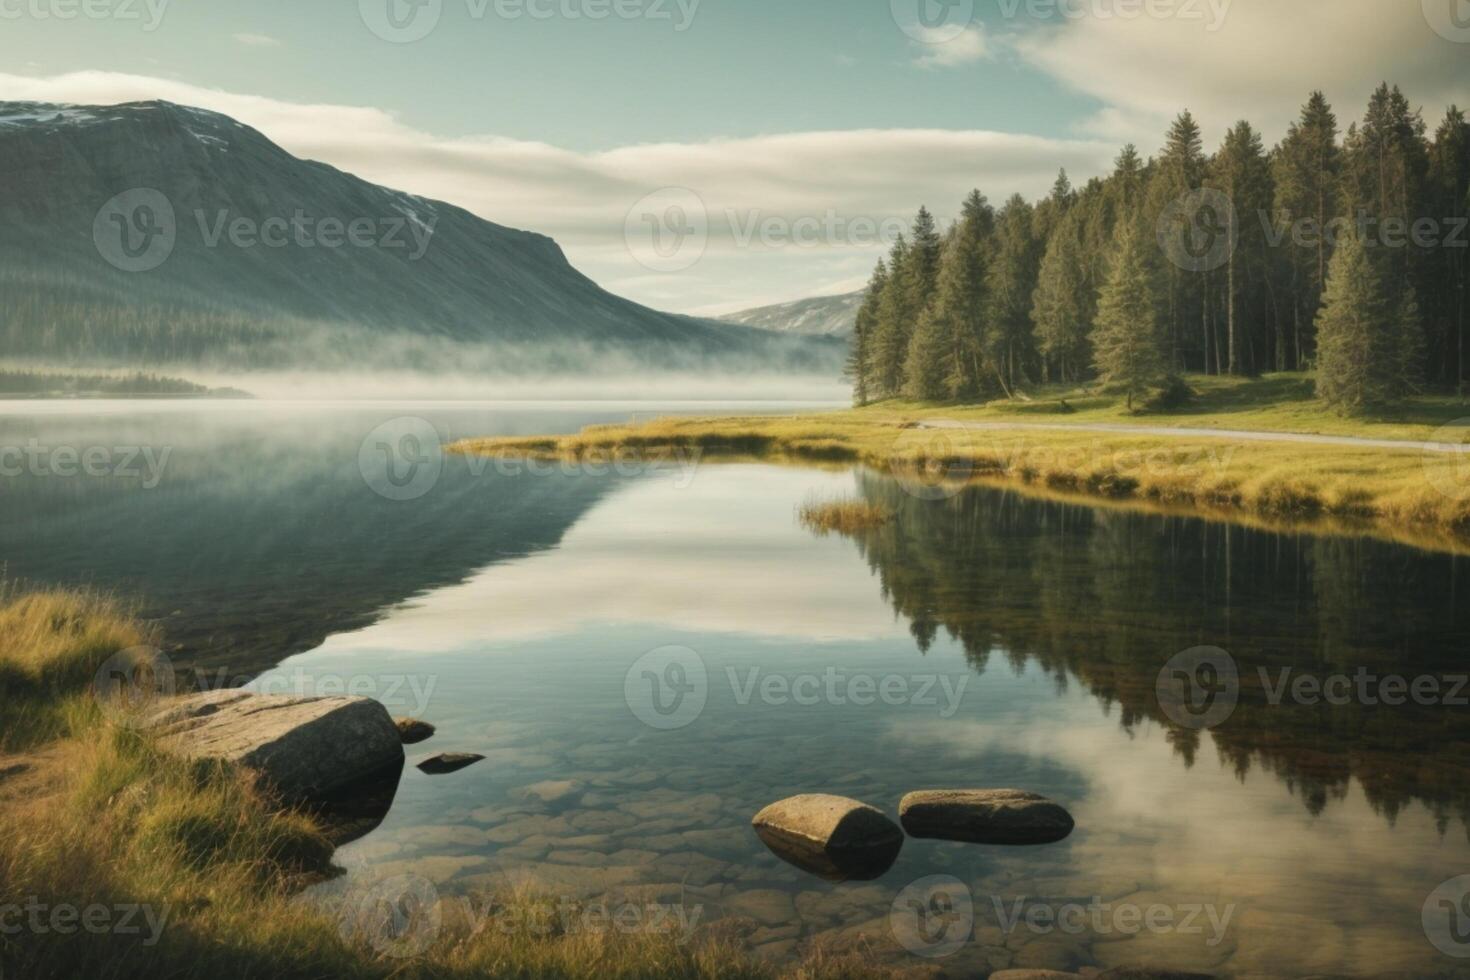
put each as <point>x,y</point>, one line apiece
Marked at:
<point>331,269</point>
<point>819,316</point>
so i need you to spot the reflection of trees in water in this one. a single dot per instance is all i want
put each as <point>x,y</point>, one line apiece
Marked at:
<point>1106,597</point>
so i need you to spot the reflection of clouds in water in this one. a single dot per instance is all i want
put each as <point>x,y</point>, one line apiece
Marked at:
<point>722,555</point>
<point>1337,891</point>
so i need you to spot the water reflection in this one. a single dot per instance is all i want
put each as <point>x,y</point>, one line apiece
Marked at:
<point>1048,629</point>
<point>1106,598</point>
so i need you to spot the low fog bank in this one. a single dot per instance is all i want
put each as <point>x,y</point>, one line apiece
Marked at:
<point>651,386</point>
<point>34,379</point>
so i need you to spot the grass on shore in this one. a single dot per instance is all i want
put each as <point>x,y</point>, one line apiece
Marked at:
<point>1427,494</point>
<point>214,862</point>
<point>845,516</point>
<point>51,646</point>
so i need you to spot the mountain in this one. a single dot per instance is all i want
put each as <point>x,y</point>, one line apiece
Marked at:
<point>153,232</point>
<point>826,316</point>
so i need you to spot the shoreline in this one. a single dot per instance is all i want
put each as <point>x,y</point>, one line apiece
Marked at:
<point>1406,494</point>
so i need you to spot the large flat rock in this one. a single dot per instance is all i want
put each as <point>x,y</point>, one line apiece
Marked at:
<point>305,748</point>
<point>984,816</point>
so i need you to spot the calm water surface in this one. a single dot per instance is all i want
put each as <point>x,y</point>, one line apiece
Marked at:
<point>648,658</point>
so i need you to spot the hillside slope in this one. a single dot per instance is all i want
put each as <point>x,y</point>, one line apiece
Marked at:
<point>820,316</point>
<point>329,268</point>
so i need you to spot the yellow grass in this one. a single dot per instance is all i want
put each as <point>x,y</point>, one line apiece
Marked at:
<point>845,516</point>
<point>1398,492</point>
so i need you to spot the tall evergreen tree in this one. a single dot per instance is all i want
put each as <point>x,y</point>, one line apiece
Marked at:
<point>1368,343</point>
<point>1010,286</point>
<point>890,341</point>
<point>1307,169</point>
<point>860,353</point>
<point>1242,173</point>
<point>959,306</point>
<point>1181,169</point>
<point>1062,307</point>
<point>1449,196</point>
<point>1386,161</point>
<point>1126,341</point>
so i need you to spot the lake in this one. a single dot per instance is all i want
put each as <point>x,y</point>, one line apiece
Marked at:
<point>648,655</point>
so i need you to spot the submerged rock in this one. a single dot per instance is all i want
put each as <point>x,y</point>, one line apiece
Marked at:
<point>441,765</point>
<point>412,731</point>
<point>984,816</point>
<point>830,836</point>
<point>306,749</point>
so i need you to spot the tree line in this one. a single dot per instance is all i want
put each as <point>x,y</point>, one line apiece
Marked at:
<point>1346,253</point>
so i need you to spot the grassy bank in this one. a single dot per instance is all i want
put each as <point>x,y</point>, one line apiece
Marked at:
<point>1408,491</point>
<point>93,818</point>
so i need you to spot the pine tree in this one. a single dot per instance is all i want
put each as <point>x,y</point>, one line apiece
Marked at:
<point>1354,319</point>
<point>1126,347</point>
<point>890,340</point>
<point>926,248</point>
<point>1307,170</point>
<point>1181,169</point>
<point>1449,198</point>
<point>1061,307</point>
<point>1386,162</point>
<point>860,354</point>
<point>926,368</point>
<point>1404,347</point>
<point>959,304</point>
<point>1242,173</point>
<point>1009,337</point>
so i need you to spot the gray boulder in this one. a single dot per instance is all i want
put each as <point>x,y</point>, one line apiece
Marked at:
<point>984,816</point>
<point>831,836</point>
<point>306,749</point>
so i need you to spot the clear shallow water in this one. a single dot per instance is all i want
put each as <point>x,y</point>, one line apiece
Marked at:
<point>1020,642</point>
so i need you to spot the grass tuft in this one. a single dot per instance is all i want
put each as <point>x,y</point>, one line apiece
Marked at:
<point>845,516</point>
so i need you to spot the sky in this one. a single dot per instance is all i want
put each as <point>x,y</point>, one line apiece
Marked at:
<point>704,156</point>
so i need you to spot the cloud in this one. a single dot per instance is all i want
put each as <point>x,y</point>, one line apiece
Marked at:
<point>943,50</point>
<point>257,40</point>
<point>1244,59</point>
<point>843,180</point>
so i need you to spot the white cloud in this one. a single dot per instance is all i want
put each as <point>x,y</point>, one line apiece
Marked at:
<point>941,50</point>
<point>1261,63</point>
<point>583,198</point>
<point>257,40</point>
